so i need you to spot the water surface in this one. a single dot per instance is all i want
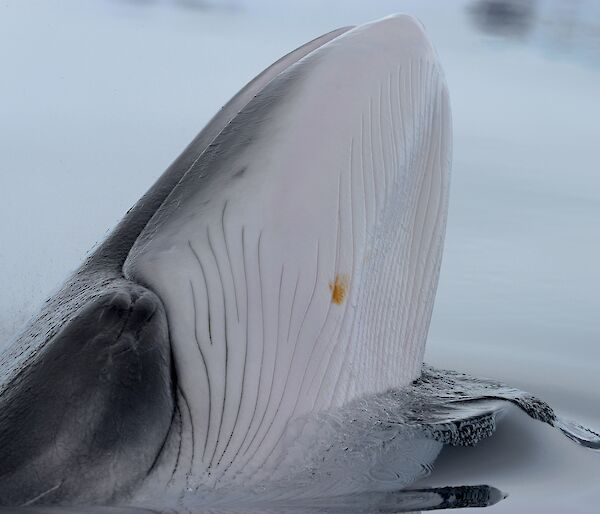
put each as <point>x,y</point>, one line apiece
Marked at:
<point>98,97</point>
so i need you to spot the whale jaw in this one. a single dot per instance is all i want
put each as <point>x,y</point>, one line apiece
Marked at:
<point>298,258</point>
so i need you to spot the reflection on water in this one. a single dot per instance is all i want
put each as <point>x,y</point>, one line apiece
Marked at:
<point>558,27</point>
<point>437,498</point>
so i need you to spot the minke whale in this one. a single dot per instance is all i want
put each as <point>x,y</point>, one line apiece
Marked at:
<point>255,325</point>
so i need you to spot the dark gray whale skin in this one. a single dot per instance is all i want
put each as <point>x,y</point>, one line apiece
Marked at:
<point>85,416</point>
<point>87,389</point>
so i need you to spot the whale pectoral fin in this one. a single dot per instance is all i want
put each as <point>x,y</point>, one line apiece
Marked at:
<point>400,432</point>
<point>460,410</point>
<point>89,415</point>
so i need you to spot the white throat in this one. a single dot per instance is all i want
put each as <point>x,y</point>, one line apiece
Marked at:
<point>298,259</point>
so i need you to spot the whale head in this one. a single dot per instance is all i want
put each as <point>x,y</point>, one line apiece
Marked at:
<point>298,257</point>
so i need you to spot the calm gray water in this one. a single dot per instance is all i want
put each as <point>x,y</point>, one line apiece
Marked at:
<point>97,98</point>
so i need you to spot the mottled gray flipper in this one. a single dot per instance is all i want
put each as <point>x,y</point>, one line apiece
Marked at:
<point>86,419</point>
<point>463,409</point>
<point>446,406</point>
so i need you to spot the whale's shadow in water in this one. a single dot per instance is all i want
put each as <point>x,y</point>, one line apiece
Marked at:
<point>427,499</point>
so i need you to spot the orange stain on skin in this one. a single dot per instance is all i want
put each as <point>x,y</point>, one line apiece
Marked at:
<point>338,288</point>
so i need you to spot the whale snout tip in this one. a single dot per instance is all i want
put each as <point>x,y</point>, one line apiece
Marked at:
<point>399,23</point>
<point>406,21</point>
<point>400,36</point>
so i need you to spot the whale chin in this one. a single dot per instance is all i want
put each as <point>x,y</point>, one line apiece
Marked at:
<point>298,257</point>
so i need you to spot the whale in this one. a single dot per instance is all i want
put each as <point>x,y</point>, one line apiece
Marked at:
<point>256,323</point>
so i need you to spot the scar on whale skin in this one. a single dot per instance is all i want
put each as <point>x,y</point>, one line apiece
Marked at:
<point>338,288</point>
